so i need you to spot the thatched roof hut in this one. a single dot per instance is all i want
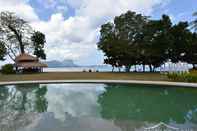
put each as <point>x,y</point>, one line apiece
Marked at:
<point>26,61</point>
<point>25,57</point>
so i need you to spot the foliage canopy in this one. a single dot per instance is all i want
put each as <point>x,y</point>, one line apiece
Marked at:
<point>134,39</point>
<point>16,37</point>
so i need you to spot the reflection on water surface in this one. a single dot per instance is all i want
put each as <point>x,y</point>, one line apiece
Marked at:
<point>95,107</point>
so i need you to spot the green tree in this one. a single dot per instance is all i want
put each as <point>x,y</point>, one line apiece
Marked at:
<point>191,50</point>
<point>127,27</point>
<point>155,42</point>
<point>109,45</point>
<point>2,51</point>
<point>181,38</point>
<point>118,39</point>
<point>38,39</point>
<point>16,34</point>
<point>194,23</point>
<point>133,39</point>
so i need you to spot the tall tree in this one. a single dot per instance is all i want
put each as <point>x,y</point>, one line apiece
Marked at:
<point>190,55</point>
<point>127,27</point>
<point>134,39</point>
<point>16,34</point>
<point>2,51</point>
<point>181,39</point>
<point>155,41</point>
<point>118,39</point>
<point>38,39</point>
<point>109,45</point>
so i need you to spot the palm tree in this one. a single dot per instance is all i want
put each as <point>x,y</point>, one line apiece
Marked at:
<point>194,23</point>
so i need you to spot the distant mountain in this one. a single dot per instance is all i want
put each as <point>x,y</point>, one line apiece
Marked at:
<point>65,63</point>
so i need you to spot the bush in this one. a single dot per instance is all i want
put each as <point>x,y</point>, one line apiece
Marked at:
<point>193,71</point>
<point>8,69</point>
<point>182,77</point>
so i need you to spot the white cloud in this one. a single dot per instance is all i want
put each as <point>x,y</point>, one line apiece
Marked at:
<point>74,106</point>
<point>69,39</point>
<point>20,8</point>
<point>76,37</point>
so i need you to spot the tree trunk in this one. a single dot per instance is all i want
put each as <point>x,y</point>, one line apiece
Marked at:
<point>112,68</point>
<point>128,68</point>
<point>19,38</point>
<point>194,66</point>
<point>22,47</point>
<point>135,69</point>
<point>150,66</point>
<point>119,69</point>
<point>154,69</point>
<point>144,68</point>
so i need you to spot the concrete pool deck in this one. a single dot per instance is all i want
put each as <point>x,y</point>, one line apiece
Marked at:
<point>194,85</point>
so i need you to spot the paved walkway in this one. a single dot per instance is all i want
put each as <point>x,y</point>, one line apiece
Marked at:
<point>104,81</point>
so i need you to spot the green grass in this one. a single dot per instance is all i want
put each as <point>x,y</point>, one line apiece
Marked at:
<point>183,77</point>
<point>84,76</point>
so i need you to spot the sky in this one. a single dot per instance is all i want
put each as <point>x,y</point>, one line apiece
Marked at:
<point>72,26</point>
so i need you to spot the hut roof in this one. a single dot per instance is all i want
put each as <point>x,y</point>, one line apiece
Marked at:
<point>31,65</point>
<point>27,61</point>
<point>25,57</point>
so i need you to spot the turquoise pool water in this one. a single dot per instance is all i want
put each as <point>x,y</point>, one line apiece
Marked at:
<point>95,107</point>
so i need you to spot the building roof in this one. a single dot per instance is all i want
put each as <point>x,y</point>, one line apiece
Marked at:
<point>25,57</point>
<point>31,65</point>
<point>27,61</point>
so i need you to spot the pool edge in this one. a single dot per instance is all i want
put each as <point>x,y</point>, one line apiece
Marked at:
<point>182,84</point>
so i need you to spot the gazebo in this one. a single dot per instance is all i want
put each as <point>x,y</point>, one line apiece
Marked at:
<point>27,63</point>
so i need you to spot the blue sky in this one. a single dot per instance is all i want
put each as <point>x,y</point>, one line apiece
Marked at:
<point>46,12</point>
<point>72,26</point>
<point>177,9</point>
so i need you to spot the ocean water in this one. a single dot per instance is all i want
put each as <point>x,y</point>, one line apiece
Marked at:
<point>81,69</point>
<point>167,67</point>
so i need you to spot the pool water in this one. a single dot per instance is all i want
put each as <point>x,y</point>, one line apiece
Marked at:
<point>95,107</point>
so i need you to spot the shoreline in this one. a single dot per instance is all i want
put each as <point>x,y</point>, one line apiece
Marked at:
<point>162,83</point>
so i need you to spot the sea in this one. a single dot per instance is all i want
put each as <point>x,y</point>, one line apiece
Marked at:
<point>182,67</point>
<point>82,69</point>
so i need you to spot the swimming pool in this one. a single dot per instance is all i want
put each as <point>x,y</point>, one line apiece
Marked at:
<point>95,107</point>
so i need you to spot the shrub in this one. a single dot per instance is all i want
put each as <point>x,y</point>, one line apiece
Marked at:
<point>182,77</point>
<point>193,71</point>
<point>8,69</point>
